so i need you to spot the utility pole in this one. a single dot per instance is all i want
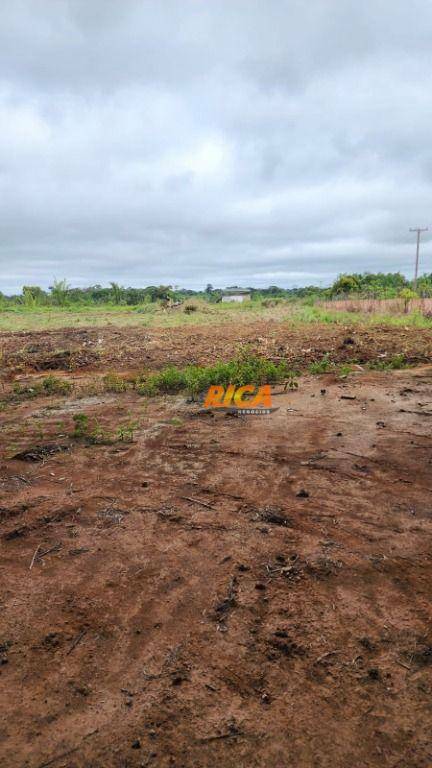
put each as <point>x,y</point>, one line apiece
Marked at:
<point>419,230</point>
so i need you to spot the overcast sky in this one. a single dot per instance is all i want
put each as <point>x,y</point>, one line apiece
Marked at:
<point>226,141</point>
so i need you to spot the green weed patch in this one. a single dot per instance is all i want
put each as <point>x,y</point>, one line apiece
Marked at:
<point>194,379</point>
<point>50,385</point>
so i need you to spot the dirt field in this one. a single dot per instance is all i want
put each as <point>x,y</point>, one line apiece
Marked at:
<point>138,348</point>
<point>236,592</point>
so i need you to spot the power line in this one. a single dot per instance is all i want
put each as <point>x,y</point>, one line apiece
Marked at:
<point>419,230</point>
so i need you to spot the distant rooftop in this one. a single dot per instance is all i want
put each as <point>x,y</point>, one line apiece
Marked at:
<point>237,291</point>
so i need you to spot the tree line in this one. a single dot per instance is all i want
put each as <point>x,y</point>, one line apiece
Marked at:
<point>376,285</point>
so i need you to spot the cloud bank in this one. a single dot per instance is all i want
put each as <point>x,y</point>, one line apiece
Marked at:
<point>231,142</point>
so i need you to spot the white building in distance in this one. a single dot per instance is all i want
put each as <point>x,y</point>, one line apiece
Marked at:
<point>236,294</point>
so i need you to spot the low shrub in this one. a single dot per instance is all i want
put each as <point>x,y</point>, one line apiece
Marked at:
<point>189,308</point>
<point>391,364</point>
<point>50,385</point>
<point>81,425</point>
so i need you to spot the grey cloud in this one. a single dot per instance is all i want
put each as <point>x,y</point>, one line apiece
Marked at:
<point>227,142</point>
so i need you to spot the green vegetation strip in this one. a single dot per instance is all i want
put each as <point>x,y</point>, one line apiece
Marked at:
<point>163,306</point>
<point>194,380</point>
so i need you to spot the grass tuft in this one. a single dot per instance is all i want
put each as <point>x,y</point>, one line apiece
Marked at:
<point>93,433</point>
<point>112,382</point>
<point>325,365</point>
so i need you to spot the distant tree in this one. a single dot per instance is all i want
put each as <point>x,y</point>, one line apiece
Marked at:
<point>424,285</point>
<point>345,284</point>
<point>215,296</point>
<point>274,290</point>
<point>162,293</point>
<point>407,294</point>
<point>33,295</point>
<point>59,292</point>
<point>209,288</point>
<point>116,293</point>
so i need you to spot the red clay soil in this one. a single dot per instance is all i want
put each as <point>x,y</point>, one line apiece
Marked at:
<point>140,348</point>
<point>236,592</point>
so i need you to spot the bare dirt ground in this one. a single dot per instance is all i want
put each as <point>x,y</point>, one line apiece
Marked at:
<point>137,348</point>
<point>236,592</point>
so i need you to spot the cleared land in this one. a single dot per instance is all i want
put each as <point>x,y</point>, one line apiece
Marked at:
<point>218,590</point>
